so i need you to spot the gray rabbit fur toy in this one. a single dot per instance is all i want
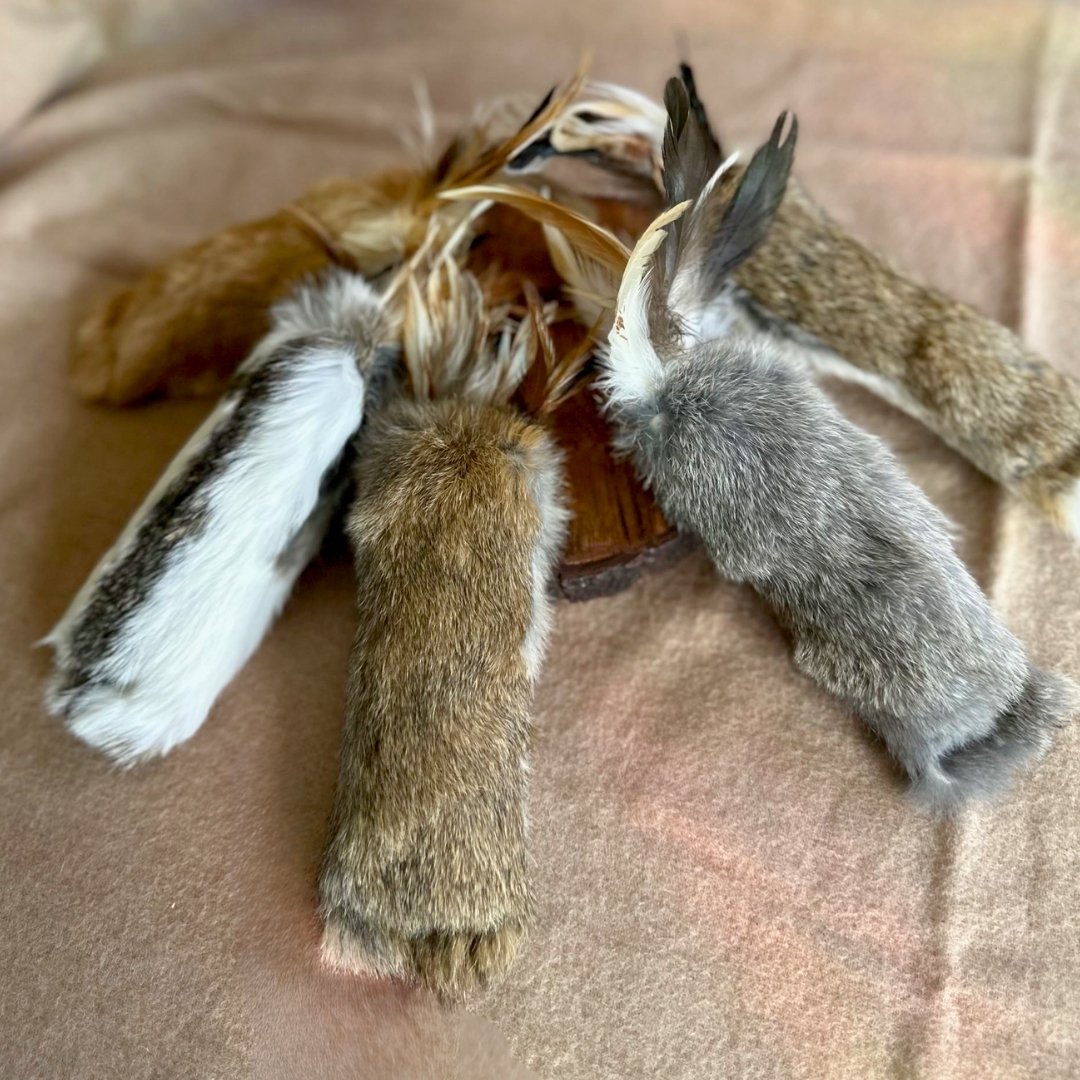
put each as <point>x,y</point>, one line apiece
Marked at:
<point>741,448</point>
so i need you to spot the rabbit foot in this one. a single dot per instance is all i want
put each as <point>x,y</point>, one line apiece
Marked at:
<point>451,963</point>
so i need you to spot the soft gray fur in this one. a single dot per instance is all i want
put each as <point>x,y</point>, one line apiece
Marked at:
<point>740,447</point>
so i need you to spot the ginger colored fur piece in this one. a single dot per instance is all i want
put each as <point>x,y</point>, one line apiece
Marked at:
<point>164,333</point>
<point>456,524</point>
<point>970,380</point>
<point>183,328</point>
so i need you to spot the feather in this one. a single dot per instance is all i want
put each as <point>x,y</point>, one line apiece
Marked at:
<point>608,123</point>
<point>690,151</point>
<point>745,222</point>
<point>421,143</point>
<point>591,285</point>
<point>382,223</point>
<point>633,369</point>
<point>721,230</point>
<point>456,343</point>
<point>495,158</point>
<point>587,236</point>
<point>697,107</point>
<point>514,352</point>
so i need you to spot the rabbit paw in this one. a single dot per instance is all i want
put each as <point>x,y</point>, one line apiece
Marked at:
<point>449,962</point>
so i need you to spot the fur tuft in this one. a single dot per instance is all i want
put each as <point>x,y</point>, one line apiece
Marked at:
<point>339,306</point>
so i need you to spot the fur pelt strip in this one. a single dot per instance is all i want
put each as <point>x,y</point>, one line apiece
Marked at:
<point>456,527</point>
<point>186,594</point>
<point>741,448</point>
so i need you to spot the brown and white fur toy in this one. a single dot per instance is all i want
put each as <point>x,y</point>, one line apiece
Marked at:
<point>186,594</point>
<point>457,524</point>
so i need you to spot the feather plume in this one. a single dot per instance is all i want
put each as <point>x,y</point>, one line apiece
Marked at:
<point>562,376</point>
<point>421,143</point>
<point>588,257</point>
<point>723,228</point>
<point>609,124</point>
<point>385,221</point>
<point>588,237</point>
<point>592,285</point>
<point>495,158</point>
<point>455,343</point>
<point>743,223</point>
<point>633,369</point>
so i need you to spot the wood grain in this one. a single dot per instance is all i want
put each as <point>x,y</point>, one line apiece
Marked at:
<point>617,531</point>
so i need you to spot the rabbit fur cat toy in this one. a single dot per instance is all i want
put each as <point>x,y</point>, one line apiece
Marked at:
<point>186,594</point>
<point>790,497</point>
<point>456,527</point>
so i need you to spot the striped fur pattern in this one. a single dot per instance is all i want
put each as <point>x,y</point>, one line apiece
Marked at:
<point>184,597</point>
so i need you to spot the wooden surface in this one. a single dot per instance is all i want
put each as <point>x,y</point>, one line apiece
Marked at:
<point>617,531</point>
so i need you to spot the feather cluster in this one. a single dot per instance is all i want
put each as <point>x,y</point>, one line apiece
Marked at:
<point>411,385</point>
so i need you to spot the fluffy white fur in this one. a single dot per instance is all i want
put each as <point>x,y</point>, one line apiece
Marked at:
<point>221,588</point>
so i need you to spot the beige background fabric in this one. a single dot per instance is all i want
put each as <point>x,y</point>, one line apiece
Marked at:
<point>729,881</point>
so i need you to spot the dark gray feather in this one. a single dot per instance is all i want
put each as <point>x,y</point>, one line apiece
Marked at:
<point>746,221</point>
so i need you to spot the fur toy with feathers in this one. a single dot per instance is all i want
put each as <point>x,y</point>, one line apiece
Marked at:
<point>416,371</point>
<point>742,449</point>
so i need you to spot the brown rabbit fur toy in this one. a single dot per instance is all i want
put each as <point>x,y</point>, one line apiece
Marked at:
<point>456,527</point>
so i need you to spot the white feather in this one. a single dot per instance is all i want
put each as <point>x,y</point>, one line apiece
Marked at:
<point>586,280</point>
<point>632,371</point>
